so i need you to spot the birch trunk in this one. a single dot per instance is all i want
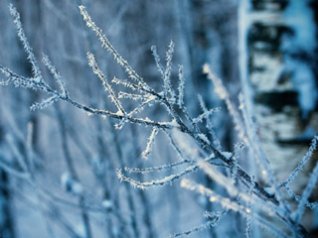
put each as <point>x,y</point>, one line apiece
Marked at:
<point>273,36</point>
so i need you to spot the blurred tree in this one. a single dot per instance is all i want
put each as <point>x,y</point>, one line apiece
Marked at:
<point>278,41</point>
<point>7,228</point>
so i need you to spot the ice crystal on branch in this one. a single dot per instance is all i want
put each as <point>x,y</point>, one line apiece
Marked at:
<point>30,55</point>
<point>150,142</point>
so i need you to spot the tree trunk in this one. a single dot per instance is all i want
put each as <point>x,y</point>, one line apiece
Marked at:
<point>276,63</point>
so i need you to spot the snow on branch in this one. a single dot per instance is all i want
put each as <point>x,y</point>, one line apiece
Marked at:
<point>306,194</point>
<point>108,46</point>
<point>167,73</point>
<point>181,87</point>
<point>162,181</point>
<point>56,75</point>
<point>223,94</point>
<point>150,142</point>
<point>302,162</point>
<point>97,71</point>
<point>228,204</point>
<point>30,55</point>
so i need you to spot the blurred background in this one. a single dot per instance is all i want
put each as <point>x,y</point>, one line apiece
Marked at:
<point>265,48</point>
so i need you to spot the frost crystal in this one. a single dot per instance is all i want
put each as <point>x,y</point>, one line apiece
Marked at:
<point>150,142</point>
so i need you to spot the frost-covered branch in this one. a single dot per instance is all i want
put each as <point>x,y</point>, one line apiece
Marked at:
<point>191,138</point>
